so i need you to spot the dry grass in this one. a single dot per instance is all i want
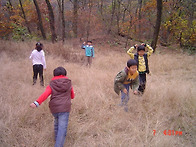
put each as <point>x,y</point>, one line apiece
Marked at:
<point>169,102</point>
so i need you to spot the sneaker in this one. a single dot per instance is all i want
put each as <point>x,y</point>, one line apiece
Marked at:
<point>140,93</point>
<point>120,105</point>
<point>126,109</point>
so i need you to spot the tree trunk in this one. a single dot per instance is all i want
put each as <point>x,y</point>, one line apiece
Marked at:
<point>112,17</point>
<point>139,17</point>
<point>128,33</point>
<point>89,19</point>
<point>51,16</point>
<point>118,15</point>
<point>191,16</point>
<point>59,24</point>
<point>75,19</point>
<point>158,24</point>
<point>10,3</point>
<point>63,21</point>
<point>24,16</point>
<point>40,24</point>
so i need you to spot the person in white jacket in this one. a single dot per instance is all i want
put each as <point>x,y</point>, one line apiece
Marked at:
<point>39,63</point>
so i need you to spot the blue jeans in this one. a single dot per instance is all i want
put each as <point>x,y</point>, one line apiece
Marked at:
<point>60,127</point>
<point>125,97</point>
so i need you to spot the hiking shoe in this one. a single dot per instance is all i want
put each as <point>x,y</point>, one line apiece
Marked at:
<point>126,109</point>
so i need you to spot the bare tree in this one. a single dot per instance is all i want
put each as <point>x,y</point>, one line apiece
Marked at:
<point>63,21</point>
<point>89,18</point>
<point>112,16</point>
<point>139,17</point>
<point>118,15</point>
<point>157,26</point>
<point>61,12</point>
<point>75,18</point>
<point>24,16</point>
<point>40,24</point>
<point>51,16</point>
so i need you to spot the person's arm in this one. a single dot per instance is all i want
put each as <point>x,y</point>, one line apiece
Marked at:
<point>130,52</point>
<point>31,56</point>
<point>83,46</point>
<point>44,61</point>
<point>72,93</point>
<point>150,50</point>
<point>119,79</point>
<point>42,98</point>
<point>93,52</point>
<point>135,84</point>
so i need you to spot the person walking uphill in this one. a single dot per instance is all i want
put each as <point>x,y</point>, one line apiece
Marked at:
<point>39,63</point>
<point>89,52</point>
<point>142,59</point>
<point>61,91</point>
<point>128,77</point>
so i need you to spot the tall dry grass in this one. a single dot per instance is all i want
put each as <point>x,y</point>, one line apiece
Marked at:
<point>96,120</point>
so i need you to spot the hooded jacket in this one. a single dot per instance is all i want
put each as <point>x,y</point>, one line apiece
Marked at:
<point>60,100</point>
<point>61,91</point>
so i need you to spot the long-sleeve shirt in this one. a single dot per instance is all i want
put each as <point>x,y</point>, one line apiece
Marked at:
<point>89,50</point>
<point>38,58</point>
<point>141,66</point>
<point>48,92</point>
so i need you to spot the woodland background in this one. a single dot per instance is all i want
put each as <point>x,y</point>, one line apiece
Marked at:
<point>168,21</point>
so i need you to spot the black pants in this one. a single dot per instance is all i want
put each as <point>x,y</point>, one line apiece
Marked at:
<point>142,86</point>
<point>38,68</point>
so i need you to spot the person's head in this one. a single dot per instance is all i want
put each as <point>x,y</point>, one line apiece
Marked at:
<point>141,50</point>
<point>89,42</point>
<point>38,46</point>
<point>59,71</point>
<point>132,66</point>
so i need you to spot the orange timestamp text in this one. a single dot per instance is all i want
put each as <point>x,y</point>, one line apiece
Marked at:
<point>170,133</point>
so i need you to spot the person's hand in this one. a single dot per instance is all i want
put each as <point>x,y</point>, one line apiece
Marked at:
<point>135,92</point>
<point>125,91</point>
<point>84,42</point>
<point>32,105</point>
<point>135,46</point>
<point>144,44</point>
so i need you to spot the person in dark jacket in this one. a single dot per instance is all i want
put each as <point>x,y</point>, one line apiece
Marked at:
<point>142,59</point>
<point>61,91</point>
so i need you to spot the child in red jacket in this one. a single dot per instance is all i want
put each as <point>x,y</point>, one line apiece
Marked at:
<point>61,91</point>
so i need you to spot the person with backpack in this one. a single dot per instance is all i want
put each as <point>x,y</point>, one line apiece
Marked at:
<point>89,52</point>
<point>39,63</point>
<point>142,59</point>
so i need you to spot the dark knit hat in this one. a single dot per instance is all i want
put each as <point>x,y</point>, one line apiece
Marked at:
<point>39,46</point>
<point>89,41</point>
<point>131,62</point>
<point>141,47</point>
<point>59,71</point>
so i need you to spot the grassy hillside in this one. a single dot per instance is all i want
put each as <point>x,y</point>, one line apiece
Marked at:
<point>96,120</point>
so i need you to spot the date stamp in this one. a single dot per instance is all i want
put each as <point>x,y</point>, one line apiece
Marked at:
<point>169,133</point>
